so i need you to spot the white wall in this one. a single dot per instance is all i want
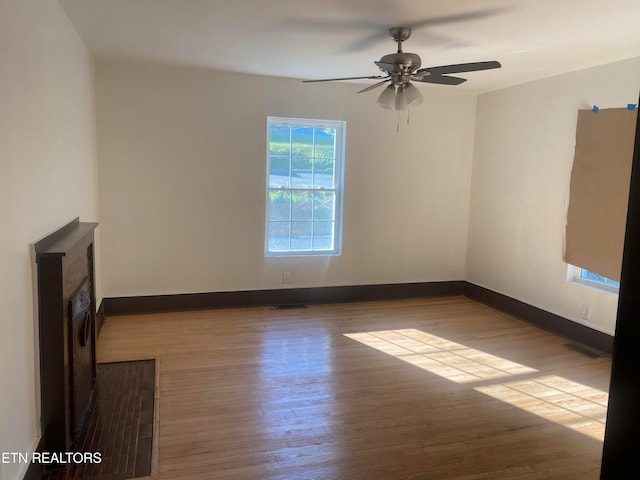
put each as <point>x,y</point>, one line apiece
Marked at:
<point>525,138</point>
<point>48,176</point>
<point>182,182</point>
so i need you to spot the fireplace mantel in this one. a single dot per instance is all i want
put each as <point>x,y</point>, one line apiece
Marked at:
<point>66,318</point>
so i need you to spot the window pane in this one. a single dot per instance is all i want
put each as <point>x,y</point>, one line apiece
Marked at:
<point>302,141</point>
<point>301,173</point>
<point>279,171</point>
<point>279,236</point>
<point>325,142</point>
<point>323,235</point>
<point>302,206</point>
<point>280,140</point>
<point>594,277</point>
<point>324,205</point>
<point>323,173</point>
<point>279,205</point>
<point>301,236</point>
<point>324,157</point>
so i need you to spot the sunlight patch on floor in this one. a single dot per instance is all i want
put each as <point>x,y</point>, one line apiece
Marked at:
<point>560,400</point>
<point>447,359</point>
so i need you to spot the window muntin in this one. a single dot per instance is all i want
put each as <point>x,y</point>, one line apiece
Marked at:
<point>304,186</point>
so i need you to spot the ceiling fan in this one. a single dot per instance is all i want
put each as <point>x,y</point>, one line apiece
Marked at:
<point>402,68</point>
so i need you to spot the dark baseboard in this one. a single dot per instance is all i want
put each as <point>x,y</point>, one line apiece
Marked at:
<point>99,318</point>
<point>573,331</point>
<point>285,296</point>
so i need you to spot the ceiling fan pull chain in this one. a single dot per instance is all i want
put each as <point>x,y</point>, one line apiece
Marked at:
<point>408,115</point>
<point>398,122</point>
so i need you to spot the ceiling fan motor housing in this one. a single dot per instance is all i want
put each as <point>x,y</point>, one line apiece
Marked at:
<point>402,62</point>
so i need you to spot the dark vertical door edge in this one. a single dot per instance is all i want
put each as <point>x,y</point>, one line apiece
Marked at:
<point>620,457</point>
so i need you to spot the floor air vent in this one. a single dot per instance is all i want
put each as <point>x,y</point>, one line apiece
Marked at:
<point>290,306</point>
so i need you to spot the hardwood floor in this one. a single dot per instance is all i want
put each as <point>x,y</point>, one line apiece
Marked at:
<point>437,389</point>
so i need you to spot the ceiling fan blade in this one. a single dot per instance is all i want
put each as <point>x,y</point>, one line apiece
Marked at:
<point>455,18</point>
<point>366,41</point>
<point>375,85</point>
<point>460,68</point>
<point>378,30</point>
<point>387,67</point>
<point>439,79</point>
<point>371,77</point>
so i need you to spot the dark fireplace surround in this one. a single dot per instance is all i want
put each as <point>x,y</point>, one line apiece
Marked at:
<point>67,333</point>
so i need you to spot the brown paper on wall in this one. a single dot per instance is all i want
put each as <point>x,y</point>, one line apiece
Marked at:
<point>597,213</point>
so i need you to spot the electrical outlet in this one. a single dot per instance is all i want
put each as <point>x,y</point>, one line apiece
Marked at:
<point>286,277</point>
<point>585,312</point>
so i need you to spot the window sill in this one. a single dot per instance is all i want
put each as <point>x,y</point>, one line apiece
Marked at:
<point>594,285</point>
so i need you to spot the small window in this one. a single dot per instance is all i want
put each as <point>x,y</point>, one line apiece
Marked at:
<point>591,279</point>
<point>305,161</point>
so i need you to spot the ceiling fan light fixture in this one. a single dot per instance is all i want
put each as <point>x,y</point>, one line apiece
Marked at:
<point>401,99</point>
<point>387,98</point>
<point>412,95</point>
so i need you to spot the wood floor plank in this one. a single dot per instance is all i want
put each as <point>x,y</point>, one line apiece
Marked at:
<point>442,388</point>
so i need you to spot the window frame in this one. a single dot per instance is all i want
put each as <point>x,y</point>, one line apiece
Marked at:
<point>574,275</point>
<point>338,187</point>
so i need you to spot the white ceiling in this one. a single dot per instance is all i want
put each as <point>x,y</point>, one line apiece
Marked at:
<point>335,38</point>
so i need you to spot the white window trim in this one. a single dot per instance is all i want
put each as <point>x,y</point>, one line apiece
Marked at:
<point>341,132</point>
<point>573,276</point>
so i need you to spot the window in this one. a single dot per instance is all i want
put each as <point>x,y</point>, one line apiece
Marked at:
<point>305,160</point>
<point>599,190</point>
<point>591,279</point>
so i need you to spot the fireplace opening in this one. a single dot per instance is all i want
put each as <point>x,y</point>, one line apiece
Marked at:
<point>81,340</point>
